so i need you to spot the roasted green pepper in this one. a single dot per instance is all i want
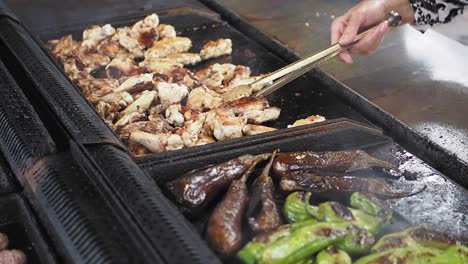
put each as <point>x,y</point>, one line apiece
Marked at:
<point>332,255</point>
<point>294,207</point>
<point>299,244</point>
<point>418,236</point>
<point>336,212</point>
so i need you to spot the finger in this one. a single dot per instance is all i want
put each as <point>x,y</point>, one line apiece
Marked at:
<point>371,41</point>
<point>337,27</point>
<point>352,28</point>
<point>345,57</point>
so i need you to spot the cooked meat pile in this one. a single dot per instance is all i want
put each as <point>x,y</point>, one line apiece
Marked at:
<point>137,80</point>
<point>10,256</point>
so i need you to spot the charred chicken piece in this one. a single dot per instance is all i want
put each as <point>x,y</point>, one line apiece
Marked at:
<point>185,58</point>
<point>216,48</point>
<point>168,46</point>
<point>153,127</point>
<point>114,50</point>
<point>157,143</point>
<point>198,188</point>
<point>225,224</point>
<point>136,83</point>
<point>122,99</point>
<point>192,129</point>
<point>331,162</point>
<point>62,48</point>
<point>308,120</point>
<point>214,75</point>
<point>129,40</point>
<point>203,99</point>
<point>166,31</point>
<point>128,119</point>
<point>249,129</point>
<point>174,116</point>
<point>122,67</point>
<point>161,66</point>
<point>141,104</point>
<point>222,124</point>
<point>90,62</point>
<point>263,213</point>
<point>94,35</point>
<point>107,111</point>
<point>256,110</point>
<point>306,181</point>
<point>170,93</point>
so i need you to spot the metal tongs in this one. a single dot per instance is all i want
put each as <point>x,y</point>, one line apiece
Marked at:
<point>283,76</point>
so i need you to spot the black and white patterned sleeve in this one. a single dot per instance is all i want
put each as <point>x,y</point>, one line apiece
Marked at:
<point>430,12</point>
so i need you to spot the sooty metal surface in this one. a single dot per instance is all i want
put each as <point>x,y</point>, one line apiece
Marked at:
<point>160,220</point>
<point>8,184</point>
<point>85,224</point>
<point>411,140</point>
<point>24,233</point>
<point>301,98</point>
<point>23,137</point>
<point>443,205</point>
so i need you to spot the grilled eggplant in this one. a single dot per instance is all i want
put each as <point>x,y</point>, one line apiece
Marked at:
<point>196,189</point>
<point>326,162</point>
<point>311,182</point>
<point>263,213</point>
<point>225,225</point>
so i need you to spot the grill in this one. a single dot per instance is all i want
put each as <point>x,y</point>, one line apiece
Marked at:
<point>95,202</point>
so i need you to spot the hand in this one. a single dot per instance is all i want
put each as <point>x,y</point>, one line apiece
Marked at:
<point>364,15</point>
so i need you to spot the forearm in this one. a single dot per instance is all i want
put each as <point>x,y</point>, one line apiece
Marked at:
<point>436,11</point>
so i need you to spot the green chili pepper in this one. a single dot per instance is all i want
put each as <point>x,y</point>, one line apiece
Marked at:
<point>418,236</point>
<point>453,255</point>
<point>357,242</point>
<point>250,251</point>
<point>298,245</point>
<point>336,212</point>
<point>294,207</point>
<point>332,255</point>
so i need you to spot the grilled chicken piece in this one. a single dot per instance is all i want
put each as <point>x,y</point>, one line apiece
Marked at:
<point>94,35</point>
<point>90,62</point>
<point>308,120</point>
<point>72,71</point>
<point>153,127</point>
<point>166,31</point>
<point>62,48</point>
<point>113,50</point>
<point>107,111</point>
<point>96,87</point>
<point>204,139</point>
<point>170,93</point>
<point>191,130</point>
<point>250,129</point>
<point>203,99</point>
<point>185,58</point>
<point>214,75</point>
<point>128,119</point>
<point>216,48</point>
<point>161,66</point>
<point>244,81</point>
<point>121,98</point>
<point>151,21</point>
<point>159,142</point>
<point>262,116</point>
<point>141,104</point>
<point>174,116</point>
<point>239,73</point>
<point>181,76</point>
<point>135,83</point>
<point>245,104</point>
<point>122,67</point>
<point>129,40</point>
<point>136,149</point>
<point>222,124</point>
<point>168,46</point>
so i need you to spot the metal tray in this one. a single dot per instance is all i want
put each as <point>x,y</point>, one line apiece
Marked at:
<point>411,140</point>
<point>443,205</point>
<point>23,231</point>
<point>8,183</point>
